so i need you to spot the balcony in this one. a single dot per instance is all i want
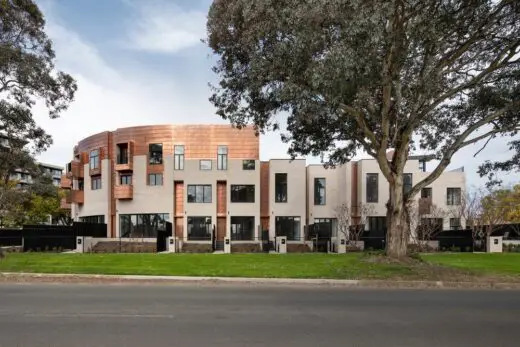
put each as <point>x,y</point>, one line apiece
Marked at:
<point>124,192</point>
<point>77,196</point>
<point>66,182</point>
<point>75,169</point>
<point>124,163</point>
<point>425,206</point>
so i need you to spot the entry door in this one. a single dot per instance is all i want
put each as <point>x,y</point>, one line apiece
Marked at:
<point>221,228</point>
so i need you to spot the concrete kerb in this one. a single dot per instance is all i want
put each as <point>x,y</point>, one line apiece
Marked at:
<point>27,277</point>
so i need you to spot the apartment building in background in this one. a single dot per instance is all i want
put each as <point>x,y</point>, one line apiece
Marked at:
<point>209,177</point>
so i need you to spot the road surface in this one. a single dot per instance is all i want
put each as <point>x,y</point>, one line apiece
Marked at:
<point>225,315</point>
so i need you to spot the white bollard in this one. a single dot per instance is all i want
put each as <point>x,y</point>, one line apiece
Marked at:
<point>80,244</point>
<point>171,244</point>
<point>495,244</point>
<point>281,244</point>
<point>341,245</point>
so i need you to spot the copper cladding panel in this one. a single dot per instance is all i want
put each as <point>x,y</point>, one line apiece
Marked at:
<point>265,223</point>
<point>123,192</point>
<point>221,199</point>
<point>179,227</point>
<point>264,188</point>
<point>179,199</point>
<point>65,183</point>
<point>64,204</point>
<point>77,196</point>
<point>221,228</point>
<point>354,189</point>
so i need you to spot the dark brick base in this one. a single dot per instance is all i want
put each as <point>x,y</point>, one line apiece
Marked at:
<point>246,248</point>
<point>125,247</point>
<point>297,248</point>
<point>196,248</point>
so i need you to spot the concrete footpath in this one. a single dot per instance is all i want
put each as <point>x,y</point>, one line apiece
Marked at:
<point>113,279</point>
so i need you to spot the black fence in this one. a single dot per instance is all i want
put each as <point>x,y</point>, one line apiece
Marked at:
<point>457,240</point>
<point>50,237</point>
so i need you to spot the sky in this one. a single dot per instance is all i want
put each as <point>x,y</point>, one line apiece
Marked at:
<point>140,62</point>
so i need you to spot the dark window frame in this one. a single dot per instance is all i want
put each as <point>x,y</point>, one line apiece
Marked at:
<point>407,183</point>
<point>455,224</point>
<point>281,187</point>
<point>425,195</point>
<point>222,157</point>
<point>142,224</point>
<point>153,182</point>
<point>372,197</point>
<point>94,159</point>
<point>178,156</point>
<point>194,191</point>
<point>290,232</point>
<point>248,165</point>
<point>242,193</point>
<point>123,153</point>
<point>155,156</point>
<point>318,199</point>
<point>95,183</point>
<point>242,228</point>
<point>453,196</point>
<point>204,228</point>
<point>125,179</point>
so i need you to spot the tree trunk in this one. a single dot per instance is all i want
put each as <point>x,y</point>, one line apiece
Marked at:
<point>397,222</point>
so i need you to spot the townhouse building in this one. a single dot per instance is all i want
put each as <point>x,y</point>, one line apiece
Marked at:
<point>209,182</point>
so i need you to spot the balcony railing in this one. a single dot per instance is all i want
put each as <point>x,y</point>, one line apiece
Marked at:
<point>65,183</point>
<point>123,163</point>
<point>75,169</point>
<point>77,196</point>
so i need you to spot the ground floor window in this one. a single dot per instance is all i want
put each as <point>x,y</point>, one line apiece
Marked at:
<point>199,228</point>
<point>242,228</point>
<point>93,219</point>
<point>377,224</point>
<point>324,227</point>
<point>288,226</point>
<point>141,225</point>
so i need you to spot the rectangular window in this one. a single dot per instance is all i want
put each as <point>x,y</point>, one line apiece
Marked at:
<point>142,225</point>
<point>155,153</point>
<point>280,186</point>
<point>155,179</point>
<point>377,224</point>
<point>426,193</point>
<point>242,228</point>
<point>319,191</point>
<point>407,182</point>
<point>454,223</point>
<point>199,193</point>
<point>288,226</point>
<point>222,157</point>
<point>248,164</point>
<point>81,184</point>
<point>243,193</point>
<point>96,182</point>
<point>199,228</point>
<point>125,180</point>
<point>122,153</point>
<point>324,227</point>
<point>94,159</point>
<point>372,187</point>
<point>205,164</point>
<point>93,219</point>
<point>453,196</point>
<point>178,163</point>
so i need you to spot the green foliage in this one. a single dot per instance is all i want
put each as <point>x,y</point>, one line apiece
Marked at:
<point>370,75</point>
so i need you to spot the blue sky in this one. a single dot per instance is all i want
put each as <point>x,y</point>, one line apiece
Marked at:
<point>141,62</point>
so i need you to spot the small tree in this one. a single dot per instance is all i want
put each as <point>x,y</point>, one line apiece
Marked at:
<point>424,226</point>
<point>351,221</point>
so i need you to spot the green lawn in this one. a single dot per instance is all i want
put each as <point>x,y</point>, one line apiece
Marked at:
<point>228,265</point>
<point>338,266</point>
<point>495,263</point>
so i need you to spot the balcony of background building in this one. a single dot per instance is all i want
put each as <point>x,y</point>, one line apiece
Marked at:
<point>124,156</point>
<point>75,169</point>
<point>124,192</point>
<point>77,196</point>
<point>65,203</point>
<point>66,182</point>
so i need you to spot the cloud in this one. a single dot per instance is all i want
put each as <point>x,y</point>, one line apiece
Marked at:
<point>162,27</point>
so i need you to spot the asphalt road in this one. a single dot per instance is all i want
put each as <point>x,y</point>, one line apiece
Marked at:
<point>186,315</point>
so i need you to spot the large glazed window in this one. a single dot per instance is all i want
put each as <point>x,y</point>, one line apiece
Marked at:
<point>141,225</point>
<point>319,191</point>
<point>95,182</point>
<point>243,193</point>
<point>372,187</point>
<point>122,153</point>
<point>222,157</point>
<point>280,181</point>
<point>155,154</point>
<point>242,228</point>
<point>199,228</point>
<point>199,193</point>
<point>453,196</point>
<point>178,162</point>
<point>288,226</point>
<point>94,159</point>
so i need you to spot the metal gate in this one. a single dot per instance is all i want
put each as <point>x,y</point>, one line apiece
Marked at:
<point>265,241</point>
<point>320,234</point>
<point>162,235</point>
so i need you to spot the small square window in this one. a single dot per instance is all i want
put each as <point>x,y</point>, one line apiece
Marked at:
<point>205,164</point>
<point>248,164</point>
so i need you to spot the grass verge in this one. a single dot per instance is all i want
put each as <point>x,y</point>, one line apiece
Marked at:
<point>445,267</point>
